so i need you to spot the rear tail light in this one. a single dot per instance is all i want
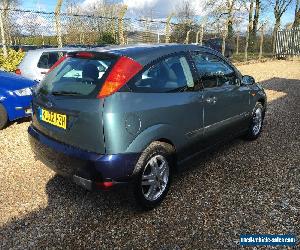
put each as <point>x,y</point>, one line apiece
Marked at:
<point>124,69</point>
<point>60,60</point>
<point>18,71</point>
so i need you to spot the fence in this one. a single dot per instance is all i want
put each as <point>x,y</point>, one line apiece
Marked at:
<point>288,43</point>
<point>24,27</point>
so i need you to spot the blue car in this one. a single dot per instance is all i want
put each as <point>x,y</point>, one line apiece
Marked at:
<point>15,97</point>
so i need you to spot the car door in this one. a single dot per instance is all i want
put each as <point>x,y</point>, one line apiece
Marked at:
<point>225,101</point>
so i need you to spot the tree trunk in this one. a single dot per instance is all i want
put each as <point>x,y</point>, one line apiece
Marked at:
<point>58,22</point>
<point>261,42</point>
<point>167,32</point>
<point>121,24</point>
<point>237,42</point>
<point>201,34</point>
<point>276,28</point>
<point>229,28</point>
<point>255,20</point>
<point>247,42</point>
<point>296,23</point>
<point>187,37</point>
<point>250,17</point>
<point>4,48</point>
<point>225,33</point>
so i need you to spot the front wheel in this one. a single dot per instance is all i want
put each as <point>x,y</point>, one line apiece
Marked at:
<point>3,117</point>
<point>153,177</point>
<point>256,122</point>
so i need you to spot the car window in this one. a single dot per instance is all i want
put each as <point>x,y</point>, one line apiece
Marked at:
<point>213,71</point>
<point>168,75</point>
<point>47,59</point>
<point>76,76</point>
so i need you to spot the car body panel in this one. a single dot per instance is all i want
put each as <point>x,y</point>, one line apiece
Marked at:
<point>125,123</point>
<point>14,105</point>
<point>133,120</point>
<point>84,121</point>
<point>69,161</point>
<point>231,109</point>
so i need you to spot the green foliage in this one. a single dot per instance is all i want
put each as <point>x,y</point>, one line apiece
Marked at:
<point>12,61</point>
<point>107,38</point>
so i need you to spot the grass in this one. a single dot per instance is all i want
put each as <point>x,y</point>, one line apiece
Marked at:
<point>251,56</point>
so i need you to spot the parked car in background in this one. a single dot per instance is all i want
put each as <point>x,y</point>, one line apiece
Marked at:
<point>134,114</point>
<point>15,97</point>
<point>24,48</point>
<point>216,44</point>
<point>36,63</point>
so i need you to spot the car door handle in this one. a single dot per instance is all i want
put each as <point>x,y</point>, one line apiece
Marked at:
<point>211,100</point>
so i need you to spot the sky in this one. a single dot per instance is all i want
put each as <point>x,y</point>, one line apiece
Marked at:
<point>159,8</point>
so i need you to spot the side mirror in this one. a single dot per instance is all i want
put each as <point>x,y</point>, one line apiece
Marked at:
<point>248,80</point>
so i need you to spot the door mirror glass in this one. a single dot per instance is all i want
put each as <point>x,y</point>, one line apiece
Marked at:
<point>248,80</point>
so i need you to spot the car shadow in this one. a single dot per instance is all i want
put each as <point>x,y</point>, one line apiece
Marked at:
<point>74,216</point>
<point>18,121</point>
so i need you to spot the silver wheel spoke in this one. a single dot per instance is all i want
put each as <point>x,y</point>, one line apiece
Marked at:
<point>148,179</point>
<point>154,165</point>
<point>151,192</point>
<point>162,170</point>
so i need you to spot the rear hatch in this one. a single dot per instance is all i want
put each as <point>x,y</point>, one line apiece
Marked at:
<point>65,103</point>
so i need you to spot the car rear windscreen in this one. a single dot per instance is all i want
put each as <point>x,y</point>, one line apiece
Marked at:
<point>76,76</point>
<point>48,59</point>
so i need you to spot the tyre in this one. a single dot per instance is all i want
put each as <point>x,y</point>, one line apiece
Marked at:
<point>256,123</point>
<point>153,174</point>
<point>3,117</point>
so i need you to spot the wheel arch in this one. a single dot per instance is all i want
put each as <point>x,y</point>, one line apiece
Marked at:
<point>157,133</point>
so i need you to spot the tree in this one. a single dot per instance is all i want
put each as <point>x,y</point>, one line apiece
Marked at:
<point>4,21</point>
<point>58,22</point>
<point>280,7</point>
<point>224,11</point>
<point>255,19</point>
<point>297,15</point>
<point>186,18</point>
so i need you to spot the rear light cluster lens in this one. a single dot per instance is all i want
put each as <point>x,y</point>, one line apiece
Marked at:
<point>18,71</point>
<point>124,69</point>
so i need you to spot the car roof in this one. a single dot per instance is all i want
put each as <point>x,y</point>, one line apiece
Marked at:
<point>41,50</point>
<point>146,53</point>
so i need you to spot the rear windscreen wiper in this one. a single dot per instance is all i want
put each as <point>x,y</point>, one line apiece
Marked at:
<point>65,93</point>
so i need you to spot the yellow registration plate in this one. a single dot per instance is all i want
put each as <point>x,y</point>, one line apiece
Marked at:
<point>53,118</point>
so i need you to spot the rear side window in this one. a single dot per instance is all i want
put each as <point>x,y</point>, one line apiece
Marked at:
<point>213,71</point>
<point>47,59</point>
<point>168,75</point>
<point>76,77</point>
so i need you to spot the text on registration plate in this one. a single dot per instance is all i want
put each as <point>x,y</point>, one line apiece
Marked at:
<point>53,118</point>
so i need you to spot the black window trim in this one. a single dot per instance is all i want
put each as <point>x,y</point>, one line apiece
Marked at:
<point>229,64</point>
<point>133,80</point>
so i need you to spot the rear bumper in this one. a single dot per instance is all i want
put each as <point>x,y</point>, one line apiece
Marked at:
<point>87,169</point>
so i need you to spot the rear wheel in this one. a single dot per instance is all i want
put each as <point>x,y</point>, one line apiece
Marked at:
<point>154,172</point>
<point>256,123</point>
<point>3,117</point>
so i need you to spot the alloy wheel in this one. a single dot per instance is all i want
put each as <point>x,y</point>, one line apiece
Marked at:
<point>155,177</point>
<point>257,121</point>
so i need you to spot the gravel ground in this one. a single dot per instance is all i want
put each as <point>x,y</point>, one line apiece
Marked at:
<point>241,187</point>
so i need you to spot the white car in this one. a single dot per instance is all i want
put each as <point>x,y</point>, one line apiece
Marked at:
<point>36,63</point>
